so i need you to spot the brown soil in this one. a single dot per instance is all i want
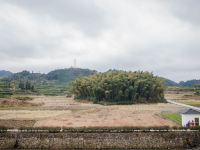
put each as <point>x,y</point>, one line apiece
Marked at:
<point>185,97</point>
<point>4,103</point>
<point>181,95</point>
<point>16,123</point>
<point>66,112</point>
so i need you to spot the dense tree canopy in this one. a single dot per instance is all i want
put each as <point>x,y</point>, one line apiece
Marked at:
<point>6,88</point>
<point>197,89</point>
<point>120,87</point>
<point>26,85</point>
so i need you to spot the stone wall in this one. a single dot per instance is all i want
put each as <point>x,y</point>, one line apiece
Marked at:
<point>157,140</point>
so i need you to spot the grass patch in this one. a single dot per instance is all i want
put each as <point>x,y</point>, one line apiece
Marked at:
<point>175,117</point>
<point>52,88</point>
<point>179,89</point>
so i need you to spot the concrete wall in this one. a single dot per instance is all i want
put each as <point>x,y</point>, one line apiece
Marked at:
<point>159,140</point>
<point>187,117</point>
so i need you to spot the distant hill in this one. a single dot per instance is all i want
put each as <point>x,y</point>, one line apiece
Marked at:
<point>26,75</point>
<point>60,75</point>
<point>189,83</point>
<point>4,73</point>
<point>67,75</point>
<point>54,83</point>
<point>169,82</point>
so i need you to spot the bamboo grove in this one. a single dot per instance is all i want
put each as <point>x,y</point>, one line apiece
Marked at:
<point>120,87</point>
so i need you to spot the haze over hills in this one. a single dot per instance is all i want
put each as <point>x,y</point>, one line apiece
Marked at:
<point>169,82</point>
<point>4,73</point>
<point>188,83</point>
<point>69,74</point>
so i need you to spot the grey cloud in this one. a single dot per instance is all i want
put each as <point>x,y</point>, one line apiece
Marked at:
<point>187,10</point>
<point>159,36</point>
<point>84,14</point>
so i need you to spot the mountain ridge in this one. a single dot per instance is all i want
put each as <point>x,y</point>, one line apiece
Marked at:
<point>69,74</point>
<point>4,73</point>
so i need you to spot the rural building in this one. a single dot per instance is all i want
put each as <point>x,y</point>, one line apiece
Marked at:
<point>190,118</point>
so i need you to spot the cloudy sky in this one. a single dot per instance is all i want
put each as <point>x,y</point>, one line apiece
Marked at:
<point>161,36</point>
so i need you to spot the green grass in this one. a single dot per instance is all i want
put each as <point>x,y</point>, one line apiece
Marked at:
<point>175,117</point>
<point>52,88</point>
<point>175,88</point>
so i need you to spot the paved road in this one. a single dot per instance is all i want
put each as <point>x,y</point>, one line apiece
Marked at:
<point>184,105</point>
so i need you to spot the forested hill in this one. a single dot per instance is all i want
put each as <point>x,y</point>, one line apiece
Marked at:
<point>4,73</point>
<point>189,83</point>
<point>169,82</point>
<point>60,75</point>
<point>67,75</point>
<point>26,75</point>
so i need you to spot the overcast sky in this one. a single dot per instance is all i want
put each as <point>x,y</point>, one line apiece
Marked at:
<point>161,36</point>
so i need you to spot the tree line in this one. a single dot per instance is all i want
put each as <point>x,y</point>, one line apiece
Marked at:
<point>8,87</point>
<point>26,85</point>
<point>197,89</point>
<point>120,87</point>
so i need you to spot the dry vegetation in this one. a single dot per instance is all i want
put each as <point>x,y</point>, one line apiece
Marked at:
<point>17,104</point>
<point>59,111</point>
<point>16,123</point>
<point>185,97</point>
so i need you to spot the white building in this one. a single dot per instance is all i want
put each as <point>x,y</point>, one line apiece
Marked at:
<point>190,118</point>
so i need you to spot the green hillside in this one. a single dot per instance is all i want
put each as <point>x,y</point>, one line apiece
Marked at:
<point>169,82</point>
<point>67,75</point>
<point>189,83</point>
<point>56,82</point>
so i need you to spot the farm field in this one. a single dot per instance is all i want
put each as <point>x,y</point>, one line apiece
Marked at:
<point>185,97</point>
<point>59,111</point>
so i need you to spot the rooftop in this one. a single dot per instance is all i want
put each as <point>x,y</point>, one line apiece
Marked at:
<point>191,112</point>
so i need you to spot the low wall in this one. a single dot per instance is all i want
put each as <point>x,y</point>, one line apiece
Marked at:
<point>137,140</point>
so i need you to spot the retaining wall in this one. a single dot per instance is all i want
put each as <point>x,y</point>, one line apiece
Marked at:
<point>137,140</point>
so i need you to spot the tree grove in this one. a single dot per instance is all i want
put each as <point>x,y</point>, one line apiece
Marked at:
<point>120,87</point>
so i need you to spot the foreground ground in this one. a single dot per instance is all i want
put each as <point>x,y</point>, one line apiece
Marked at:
<point>46,111</point>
